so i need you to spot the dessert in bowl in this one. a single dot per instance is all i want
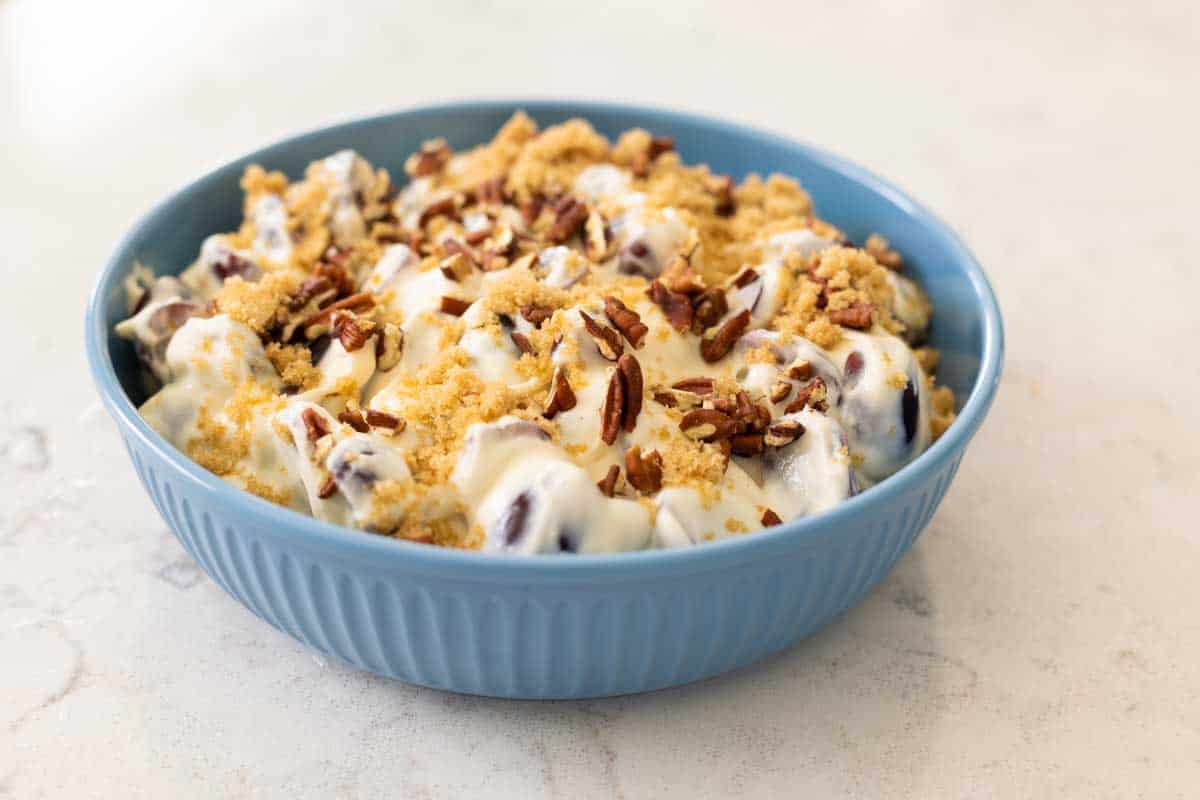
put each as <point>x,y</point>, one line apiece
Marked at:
<point>545,341</point>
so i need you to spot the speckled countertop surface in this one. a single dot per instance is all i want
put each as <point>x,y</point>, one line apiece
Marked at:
<point>1041,639</point>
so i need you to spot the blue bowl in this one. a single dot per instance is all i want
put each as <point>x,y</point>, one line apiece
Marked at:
<point>547,626</point>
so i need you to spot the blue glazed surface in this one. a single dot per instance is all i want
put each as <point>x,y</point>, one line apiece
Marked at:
<point>553,626</point>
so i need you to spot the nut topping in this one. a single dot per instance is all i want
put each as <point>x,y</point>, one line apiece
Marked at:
<point>628,322</point>
<point>612,413</point>
<point>745,278</point>
<point>783,432</point>
<point>694,385</point>
<point>706,425</point>
<point>454,306</point>
<point>522,342</point>
<point>800,371</point>
<point>429,160</point>
<point>608,341</point>
<point>747,444</point>
<point>327,488</point>
<point>644,471</point>
<point>856,316</point>
<point>676,307</point>
<point>351,330</point>
<point>780,390</point>
<point>770,518</point>
<point>569,216</point>
<point>354,418</point>
<point>319,323</point>
<point>811,394</point>
<point>490,192</point>
<point>536,315</point>
<point>314,424</point>
<point>631,372</point>
<point>389,346</point>
<point>596,245</point>
<point>710,307</point>
<point>715,348</point>
<point>382,419</point>
<point>561,397</point>
<point>608,484</point>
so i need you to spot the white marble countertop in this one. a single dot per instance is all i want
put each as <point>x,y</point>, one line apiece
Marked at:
<point>1041,640</point>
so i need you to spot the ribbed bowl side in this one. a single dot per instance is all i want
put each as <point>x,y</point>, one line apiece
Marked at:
<point>586,640</point>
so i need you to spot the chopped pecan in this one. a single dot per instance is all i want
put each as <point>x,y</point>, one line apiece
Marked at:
<point>857,316</point>
<point>536,315</point>
<point>657,145</point>
<point>745,278</point>
<point>314,424</point>
<point>811,394</point>
<point>596,243</point>
<point>608,341</point>
<point>522,342</point>
<point>478,235</point>
<point>694,385</point>
<point>314,287</point>
<point>319,322</point>
<point>454,247</point>
<point>770,518</point>
<point>382,419</point>
<point>710,307</point>
<point>722,187</point>
<point>706,424</point>
<point>532,209</point>
<point>665,398</point>
<point>644,471</point>
<point>429,160</point>
<point>801,371</point>
<point>780,390</point>
<point>561,397</point>
<point>716,347</point>
<point>351,330</point>
<point>612,413</point>
<point>455,267</point>
<point>327,488</point>
<point>454,306</point>
<point>680,277</point>
<point>608,484</point>
<point>335,272</point>
<point>569,216</point>
<point>631,373</point>
<point>627,321</point>
<point>389,346</point>
<point>783,432</point>
<point>490,192</point>
<point>354,418</point>
<point>446,207</point>
<point>747,444</point>
<point>676,307</point>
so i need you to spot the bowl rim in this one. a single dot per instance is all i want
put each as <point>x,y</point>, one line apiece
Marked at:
<point>390,553</point>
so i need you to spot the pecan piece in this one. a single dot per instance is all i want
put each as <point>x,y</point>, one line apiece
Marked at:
<point>770,518</point>
<point>783,432</point>
<point>382,419</point>
<point>429,160</point>
<point>710,307</point>
<point>318,323</point>
<point>351,330</point>
<point>811,394</point>
<point>801,371</point>
<point>608,484</point>
<point>747,444</point>
<point>354,418</point>
<point>612,413</point>
<point>676,307</point>
<point>706,425</point>
<point>679,276</point>
<point>665,398</point>
<point>561,397</point>
<point>446,207</point>
<point>522,342</point>
<point>314,424</point>
<point>780,390</point>
<point>454,306</point>
<point>694,385</point>
<point>627,321</point>
<point>644,471</point>
<point>569,216</point>
<point>327,488</point>
<point>857,316</point>
<point>715,348</point>
<point>631,372</point>
<point>608,341</point>
<point>881,249</point>
<point>334,271</point>
<point>536,315</point>
<point>722,188</point>
<point>595,237</point>
<point>389,346</point>
<point>314,287</point>
<point>745,278</point>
